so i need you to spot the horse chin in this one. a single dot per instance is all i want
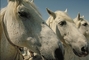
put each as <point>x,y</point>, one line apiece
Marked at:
<point>80,54</point>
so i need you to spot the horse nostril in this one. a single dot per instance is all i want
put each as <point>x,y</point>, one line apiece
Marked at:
<point>59,54</point>
<point>83,49</point>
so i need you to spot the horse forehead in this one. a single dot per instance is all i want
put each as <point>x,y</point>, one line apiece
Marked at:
<point>84,21</point>
<point>60,16</point>
<point>63,16</point>
<point>60,13</point>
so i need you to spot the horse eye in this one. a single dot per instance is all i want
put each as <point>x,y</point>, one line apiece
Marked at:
<point>23,14</point>
<point>62,23</point>
<point>85,24</point>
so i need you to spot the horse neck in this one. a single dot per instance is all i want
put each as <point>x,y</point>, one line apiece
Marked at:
<point>8,51</point>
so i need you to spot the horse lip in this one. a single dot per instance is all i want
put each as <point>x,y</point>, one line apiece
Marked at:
<point>85,53</point>
<point>76,53</point>
<point>80,54</point>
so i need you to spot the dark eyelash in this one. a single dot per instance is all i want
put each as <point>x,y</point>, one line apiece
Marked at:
<point>85,24</point>
<point>62,23</point>
<point>23,14</point>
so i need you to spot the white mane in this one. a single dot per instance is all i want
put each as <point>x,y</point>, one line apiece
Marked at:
<point>64,15</point>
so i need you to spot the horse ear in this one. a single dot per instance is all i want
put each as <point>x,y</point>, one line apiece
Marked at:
<point>66,10</point>
<point>83,16</point>
<point>51,13</point>
<point>78,16</point>
<point>32,1</point>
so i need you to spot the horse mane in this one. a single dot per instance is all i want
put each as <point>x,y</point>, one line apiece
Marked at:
<point>49,20</point>
<point>64,15</point>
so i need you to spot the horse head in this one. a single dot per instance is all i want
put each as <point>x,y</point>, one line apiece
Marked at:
<point>67,32</point>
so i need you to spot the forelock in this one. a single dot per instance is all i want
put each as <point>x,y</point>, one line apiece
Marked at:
<point>64,15</point>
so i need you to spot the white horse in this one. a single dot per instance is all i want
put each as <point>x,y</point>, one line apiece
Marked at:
<point>65,28</point>
<point>21,25</point>
<point>83,26</point>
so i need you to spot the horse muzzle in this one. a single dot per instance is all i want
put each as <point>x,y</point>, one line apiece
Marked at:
<point>84,52</point>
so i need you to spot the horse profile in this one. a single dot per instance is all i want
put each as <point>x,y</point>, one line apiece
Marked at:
<point>21,25</point>
<point>72,39</point>
<point>83,26</point>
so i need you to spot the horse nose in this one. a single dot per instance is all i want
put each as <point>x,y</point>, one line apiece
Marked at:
<point>84,50</point>
<point>59,54</point>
